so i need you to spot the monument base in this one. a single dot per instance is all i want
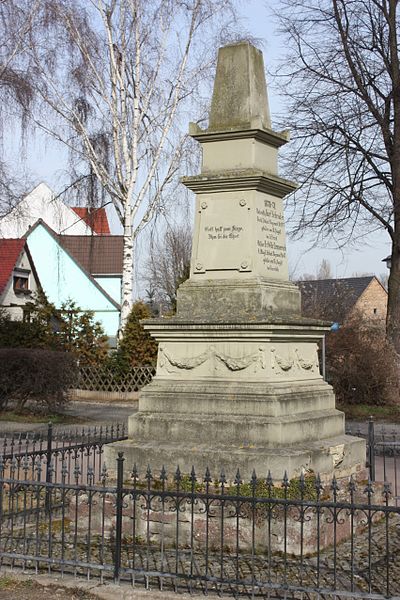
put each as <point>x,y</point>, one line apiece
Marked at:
<point>342,455</point>
<point>239,395</point>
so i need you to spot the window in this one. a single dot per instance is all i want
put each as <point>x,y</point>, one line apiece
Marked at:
<point>21,281</point>
<point>375,311</point>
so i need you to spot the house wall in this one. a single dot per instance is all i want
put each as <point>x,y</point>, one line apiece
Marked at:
<point>372,304</point>
<point>112,285</point>
<point>10,297</point>
<point>62,279</point>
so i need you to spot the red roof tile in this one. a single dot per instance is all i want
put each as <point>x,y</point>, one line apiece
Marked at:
<point>10,249</point>
<point>96,218</point>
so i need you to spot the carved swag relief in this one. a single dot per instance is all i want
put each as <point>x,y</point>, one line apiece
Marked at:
<point>171,363</point>
<point>257,360</point>
<point>294,361</point>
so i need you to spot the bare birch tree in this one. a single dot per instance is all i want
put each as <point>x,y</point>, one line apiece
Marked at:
<point>115,82</point>
<point>342,80</point>
<point>16,93</point>
<point>168,264</point>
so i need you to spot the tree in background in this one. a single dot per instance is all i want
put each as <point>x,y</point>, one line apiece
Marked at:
<point>114,81</point>
<point>324,271</point>
<point>137,347</point>
<point>342,82</point>
<point>168,264</point>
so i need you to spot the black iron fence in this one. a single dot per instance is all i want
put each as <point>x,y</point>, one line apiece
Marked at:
<point>60,511</point>
<point>263,537</point>
<point>78,449</point>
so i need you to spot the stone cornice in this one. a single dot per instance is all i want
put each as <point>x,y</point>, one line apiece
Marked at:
<point>249,179</point>
<point>299,329</point>
<point>266,136</point>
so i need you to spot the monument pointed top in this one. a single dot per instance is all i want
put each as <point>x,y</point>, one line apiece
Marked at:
<point>239,98</point>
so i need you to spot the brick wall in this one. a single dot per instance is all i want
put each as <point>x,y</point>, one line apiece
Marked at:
<point>372,303</point>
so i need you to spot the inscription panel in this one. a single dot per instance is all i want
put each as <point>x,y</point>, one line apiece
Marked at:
<point>270,238</point>
<point>224,236</point>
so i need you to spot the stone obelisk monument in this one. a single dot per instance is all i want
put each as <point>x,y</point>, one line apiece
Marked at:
<point>238,382</point>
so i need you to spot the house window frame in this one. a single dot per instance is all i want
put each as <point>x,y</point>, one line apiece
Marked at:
<point>21,275</point>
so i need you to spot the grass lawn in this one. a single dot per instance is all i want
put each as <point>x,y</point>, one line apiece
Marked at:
<point>361,412</point>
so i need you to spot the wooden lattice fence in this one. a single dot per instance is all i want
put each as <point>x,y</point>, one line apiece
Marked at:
<point>109,380</point>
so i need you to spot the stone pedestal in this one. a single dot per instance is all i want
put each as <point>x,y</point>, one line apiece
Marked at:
<point>238,383</point>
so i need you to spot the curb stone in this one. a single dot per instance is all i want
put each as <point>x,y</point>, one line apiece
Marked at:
<point>105,591</point>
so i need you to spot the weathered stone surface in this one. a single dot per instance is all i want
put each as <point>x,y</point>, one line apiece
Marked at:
<point>343,455</point>
<point>255,299</point>
<point>240,91</point>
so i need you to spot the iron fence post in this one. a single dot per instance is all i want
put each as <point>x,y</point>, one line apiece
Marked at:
<point>118,516</point>
<point>48,464</point>
<point>371,448</point>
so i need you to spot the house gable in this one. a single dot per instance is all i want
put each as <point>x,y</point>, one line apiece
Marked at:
<point>18,277</point>
<point>372,303</point>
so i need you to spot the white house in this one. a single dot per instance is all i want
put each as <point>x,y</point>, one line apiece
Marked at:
<point>41,203</point>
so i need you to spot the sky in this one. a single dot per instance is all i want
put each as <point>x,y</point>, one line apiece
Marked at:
<point>47,162</point>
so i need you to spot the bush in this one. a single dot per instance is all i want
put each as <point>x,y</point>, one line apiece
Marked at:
<point>27,334</point>
<point>35,374</point>
<point>361,365</point>
<point>68,329</point>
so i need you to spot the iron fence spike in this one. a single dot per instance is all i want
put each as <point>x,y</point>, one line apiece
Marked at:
<point>178,475</point>
<point>148,475</point>
<point>387,488</point>
<point>207,476</point>
<point>163,474</point>
<point>318,484</point>
<point>222,477</point>
<point>238,479</point>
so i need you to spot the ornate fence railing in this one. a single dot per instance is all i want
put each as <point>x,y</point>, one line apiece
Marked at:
<point>277,539</point>
<point>78,450</point>
<point>107,379</point>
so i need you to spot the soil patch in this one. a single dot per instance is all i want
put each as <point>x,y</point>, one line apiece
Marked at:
<point>12,589</point>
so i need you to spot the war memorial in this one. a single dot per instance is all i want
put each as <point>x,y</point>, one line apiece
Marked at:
<point>238,383</point>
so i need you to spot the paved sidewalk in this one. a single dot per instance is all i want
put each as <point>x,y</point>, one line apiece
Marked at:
<point>101,413</point>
